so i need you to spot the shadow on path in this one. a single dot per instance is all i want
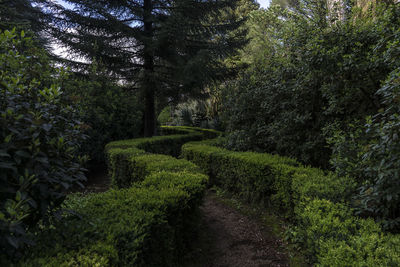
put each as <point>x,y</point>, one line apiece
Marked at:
<point>229,238</point>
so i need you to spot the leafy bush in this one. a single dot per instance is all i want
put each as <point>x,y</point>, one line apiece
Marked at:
<point>371,153</point>
<point>306,74</point>
<point>380,196</point>
<point>366,249</point>
<point>121,227</point>
<point>146,164</point>
<point>334,237</point>
<point>109,112</point>
<point>148,224</point>
<point>164,118</point>
<point>120,165</point>
<point>317,203</point>
<point>267,179</point>
<point>40,136</point>
<point>191,182</point>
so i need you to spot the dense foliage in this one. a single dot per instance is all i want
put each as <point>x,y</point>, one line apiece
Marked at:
<point>371,154</point>
<point>40,136</point>
<point>194,113</point>
<point>306,75</point>
<point>165,49</point>
<point>316,202</point>
<point>22,14</point>
<point>316,85</point>
<point>109,111</point>
<point>150,222</point>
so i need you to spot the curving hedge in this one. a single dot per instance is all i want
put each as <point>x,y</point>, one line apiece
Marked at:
<point>122,156</point>
<point>314,200</point>
<point>147,219</point>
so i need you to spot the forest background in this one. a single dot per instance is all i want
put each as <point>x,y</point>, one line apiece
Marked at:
<point>315,80</point>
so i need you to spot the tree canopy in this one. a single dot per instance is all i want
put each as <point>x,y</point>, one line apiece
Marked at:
<point>167,49</point>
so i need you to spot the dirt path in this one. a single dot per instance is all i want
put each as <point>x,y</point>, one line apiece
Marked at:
<point>97,181</point>
<point>228,238</point>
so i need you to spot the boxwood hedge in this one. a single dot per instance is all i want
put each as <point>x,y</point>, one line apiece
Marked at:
<point>316,202</point>
<point>146,219</point>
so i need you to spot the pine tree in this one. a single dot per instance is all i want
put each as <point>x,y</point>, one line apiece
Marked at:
<point>21,14</point>
<point>166,48</point>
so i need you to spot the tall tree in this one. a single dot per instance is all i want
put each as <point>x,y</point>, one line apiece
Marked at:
<point>21,14</point>
<point>165,48</point>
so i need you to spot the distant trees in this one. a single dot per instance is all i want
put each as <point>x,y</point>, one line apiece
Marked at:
<point>327,94</point>
<point>167,49</point>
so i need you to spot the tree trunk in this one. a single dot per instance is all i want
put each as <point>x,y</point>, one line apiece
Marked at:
<point>148,79</point>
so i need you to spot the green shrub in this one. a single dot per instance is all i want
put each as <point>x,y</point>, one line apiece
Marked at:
<point>307,69</point>
<point>248,174</point>
<point>365,250</point>
<point>371,153</point>
<point>125,167</point>
<point>109,111</point>
<point>207,133</point>
<point>122,160</point>
<point>149,220</point>
<point>321,220</point>
<point>334,237</point>
<point>192,183</point>
<point>169,145</point>
<point>150,163</point>
<point>310,183</point>
<point>314,200</point>
<point>40,137</point>
<point>128,227</point>
<point>120,165</point>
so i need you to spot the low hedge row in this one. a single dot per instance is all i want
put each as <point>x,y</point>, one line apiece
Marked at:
<point>128,227</point>
<point>207,133</point>
<point>314,200</point>
<point>121,155</point>
<point>147,219</point>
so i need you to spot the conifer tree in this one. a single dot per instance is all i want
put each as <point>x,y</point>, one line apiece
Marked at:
<point>166,48</point>
<point>21,14</point>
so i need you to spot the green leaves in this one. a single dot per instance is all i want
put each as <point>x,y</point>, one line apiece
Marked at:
<point>316,202</point>
<point>33,114</point>
<point>306,76</point>
<point>149,223</point>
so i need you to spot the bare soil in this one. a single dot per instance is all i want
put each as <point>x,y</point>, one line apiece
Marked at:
<point>97,180</point>
<point>229,238</point>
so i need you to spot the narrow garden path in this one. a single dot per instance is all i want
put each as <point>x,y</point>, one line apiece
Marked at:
<point>97,180</point>
<point>227,238</point>
<point>231,239</point>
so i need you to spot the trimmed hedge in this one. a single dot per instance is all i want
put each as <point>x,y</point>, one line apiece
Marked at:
<point>314,200</point>
<point>130,227</point>
<point>148,219</point>
<point>121,155</point>
<point>207,133</point>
